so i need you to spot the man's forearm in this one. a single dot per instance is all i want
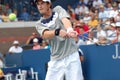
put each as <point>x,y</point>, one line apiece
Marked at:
<point>48,34</point>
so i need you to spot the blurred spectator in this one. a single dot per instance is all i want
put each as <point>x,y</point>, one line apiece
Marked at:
<point>84,2</point>
<point>69,8</point>
<point>1,60</point>
<point>113,12</point>
<point>1,63</point>
<point>108,1</point>
<point>108,7</point>
<point>77,11</point>
<point>87,17</point>
<point>82,24</point>
<point>118,32</point>
<point>7,9</point>
<point>0,18</point>
<point>1,74</point>
<point>71,12</point>
<point>92,11</point>
<point>32,3</point>
<point>103,15</point>
<point>96,13</point>
<point>33,16</point>
<point>93,22</point>
<point>83,35</point>
<point>97,3</point>
<point>102,40</point>
<point>107,23</point>
<point>111,32</point>
<point>83,9</point>
<point>4,17</point>
<point>80,42</point>
<point>15,48</point>
<point>114,3</point>
<point>100,32</point>
<point>90,2</point>
<point>36,45</point>
<point>91,38</point>
<point>118,4</point>
<point>117,18</point>
<point>112,20</point>
<point>77,26</point>
<point>30,39</point>
<point>25,15</point>
<point>81,16</point>
<point>45,45</point>
<point>2,8</point>
<point>72,16</point>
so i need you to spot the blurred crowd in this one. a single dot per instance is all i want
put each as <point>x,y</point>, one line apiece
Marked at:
<point>24,10</point>
<point>34,42</point>
<point>96,21</point>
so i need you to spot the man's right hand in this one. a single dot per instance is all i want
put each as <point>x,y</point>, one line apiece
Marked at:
<point>63,33</point>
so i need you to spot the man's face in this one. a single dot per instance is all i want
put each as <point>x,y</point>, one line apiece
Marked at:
<point>16,45</point>
<point>43,7</point>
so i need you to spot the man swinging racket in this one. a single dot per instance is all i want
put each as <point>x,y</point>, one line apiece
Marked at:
<point>55,26</point>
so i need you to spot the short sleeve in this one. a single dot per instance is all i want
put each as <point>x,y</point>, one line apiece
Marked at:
<point>62,12</point>
<point>40,28</point>
<point>11,48</point>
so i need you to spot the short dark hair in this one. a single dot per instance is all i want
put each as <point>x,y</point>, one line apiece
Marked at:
<point>36,1</point>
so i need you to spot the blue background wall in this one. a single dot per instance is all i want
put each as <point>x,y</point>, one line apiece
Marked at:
<point>36,59</point>
<point>97,65</point>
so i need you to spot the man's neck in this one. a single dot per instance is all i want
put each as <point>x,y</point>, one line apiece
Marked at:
<point>48,14</point>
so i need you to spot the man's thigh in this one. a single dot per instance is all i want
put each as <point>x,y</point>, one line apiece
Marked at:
<point>55,70</point>
<point>73,68</point>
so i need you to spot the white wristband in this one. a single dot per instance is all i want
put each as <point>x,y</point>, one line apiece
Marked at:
<point>69,29</point>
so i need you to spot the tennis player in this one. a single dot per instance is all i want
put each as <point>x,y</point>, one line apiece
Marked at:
<point>55,26</point>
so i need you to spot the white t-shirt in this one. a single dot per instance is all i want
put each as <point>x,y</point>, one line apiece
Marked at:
<point>14,49</point>
<point>88,42</point>
<point>97,3</point>
<point>1,64</point>
<point>103,15</point>
<point>77,11</point>
<point>86,19</point>
<point>111,35</point>
<point>84,9</point>
<point>101,33</point>
<point>113,13</point>
<point>80,42</point>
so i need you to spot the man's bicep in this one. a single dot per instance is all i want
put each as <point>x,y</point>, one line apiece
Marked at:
<point>43,32</point>
<point>66,22</point>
